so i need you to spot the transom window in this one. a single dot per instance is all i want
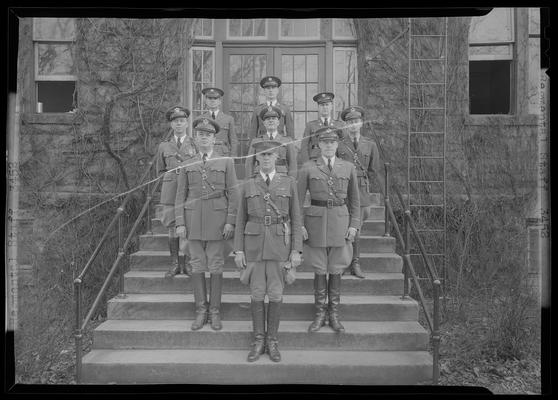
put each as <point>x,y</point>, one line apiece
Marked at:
<point>55,79</point>
<point>299,28</point>
<point>343,28</point>
<point>204,28</point>
<point>247,28</point>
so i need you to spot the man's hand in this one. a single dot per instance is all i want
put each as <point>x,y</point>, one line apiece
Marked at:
<point>228,231</point>
<point>351,233</point>
<point>181,231</point>
<point>304,233</point>
<point>240,260</point>
<point>296,258</point>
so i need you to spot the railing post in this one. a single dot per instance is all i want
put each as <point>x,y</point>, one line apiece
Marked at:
<point>407,251</point>
<point>436,334</point>
<point>78,333</point>
<point>386,201</point>
<point>149,232</point>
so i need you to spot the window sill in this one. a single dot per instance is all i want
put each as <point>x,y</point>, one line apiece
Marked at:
<point>506,120</point>
<point>52,118</point>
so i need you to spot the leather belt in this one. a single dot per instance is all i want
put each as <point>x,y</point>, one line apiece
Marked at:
<point>327,203</point>
<point>212,195</point>
<point>266,220</point>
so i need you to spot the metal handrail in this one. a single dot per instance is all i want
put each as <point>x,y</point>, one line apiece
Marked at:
<point>79,324</point>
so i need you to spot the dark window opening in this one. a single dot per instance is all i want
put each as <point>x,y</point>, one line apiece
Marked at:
<point>56,97</point>
<point>489,87</point>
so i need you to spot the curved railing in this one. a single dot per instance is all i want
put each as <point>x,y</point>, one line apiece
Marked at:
<point>433,320</point>
<point>80,325</point>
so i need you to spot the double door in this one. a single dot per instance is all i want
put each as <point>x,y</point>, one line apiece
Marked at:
<point>301,70</point>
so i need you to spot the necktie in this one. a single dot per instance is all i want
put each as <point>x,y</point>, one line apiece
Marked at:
<point>325,122</point>
<point>355,143</point>
<point>213,114</point>
<point>329,163</point>
<point>204,158</point>
<point>267,180</point>
<point>269,104</point>
<point>270,136</point>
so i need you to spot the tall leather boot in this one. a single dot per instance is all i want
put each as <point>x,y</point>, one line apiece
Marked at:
<point>320,296</point>
<point>200,299</point>
<point>257,347</point>
<point>216,283</point>
<point>334,294</point>
<point>354,267</point>
<point>273,316</point>
<point>174,268</point>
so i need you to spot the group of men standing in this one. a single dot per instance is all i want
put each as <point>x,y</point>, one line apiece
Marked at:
<point>262,218</point>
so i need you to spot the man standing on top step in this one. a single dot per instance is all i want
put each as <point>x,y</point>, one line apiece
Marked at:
<point>270,85</point>
<point>286,154</point>
<point>226,142</point>
<point>206,203</point>
<point>170,154</point>
<point>309,148</point>
<point>267,235</point>
<point>330,224</point>
<point>363,153</point>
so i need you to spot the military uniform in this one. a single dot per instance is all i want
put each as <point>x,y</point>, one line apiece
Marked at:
<point>286,124</point>
<point>366,159</point>
<point>334,208</point>
<point>268,230</point>
<point>226,141</point>
<point>170,154</point>
<point>309,148</point>
<point>286,162</point>
<point>206,200</point>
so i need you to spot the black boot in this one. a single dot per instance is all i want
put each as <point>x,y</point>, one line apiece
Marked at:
<point>174,268</point>
<point>354,267</point>
<point>200,298</point>
<point>273,316</point>
<point>257,347</point>
<point>216,283</point>
<point>320,296</point>
<point>334,294</point>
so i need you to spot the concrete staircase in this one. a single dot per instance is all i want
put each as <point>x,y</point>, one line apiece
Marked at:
<point>147,336</point>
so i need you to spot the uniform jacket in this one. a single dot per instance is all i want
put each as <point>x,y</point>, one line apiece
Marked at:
<point>206,197</point>
<point>286,124</point>
<point>286,162</point>
<point>267,242</point>
<point>327,227</point>
<point>168,158</point>
<point>309,148</point>
<point>369,157</point>
<point>226,141</point>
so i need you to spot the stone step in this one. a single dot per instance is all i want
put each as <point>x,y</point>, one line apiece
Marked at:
<point>237,307</point>
<point>155,282</point>
<point>176,334</point>
<point>373,244</point>
<point>230,367</point>
<point>370,262</point>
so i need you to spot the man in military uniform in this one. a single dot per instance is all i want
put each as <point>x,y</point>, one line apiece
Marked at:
<point>206,203</point>
<point>363,153</point>
<point>170,154</point>
<point>271,84</point>
<point>286,157</point>
<point>226,142</point>
<point>267,236</point>
<point>309,148</point>
<point>330,224</point>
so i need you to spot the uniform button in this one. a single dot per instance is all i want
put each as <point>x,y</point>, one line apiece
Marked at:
<point>267,209</point>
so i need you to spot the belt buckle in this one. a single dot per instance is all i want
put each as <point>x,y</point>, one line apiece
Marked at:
<point>329,203</point>
<point>267,220</point>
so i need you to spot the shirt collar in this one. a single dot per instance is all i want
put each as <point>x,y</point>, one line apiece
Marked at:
<point>273,134</point>
<point>216,112</point>
<point>332,160</point>
<point>271,175</point>
<point>274,102</point>
<point>180,138</point>
<point>208,154</point>
<point>324,118</point>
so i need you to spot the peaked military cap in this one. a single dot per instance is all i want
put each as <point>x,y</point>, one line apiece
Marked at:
<point>270,111</point>
<point>270,81</point>
<point>206,125</point>
<point>352,112</point>
<point>323,97</point>
<point>213,92</point>
<point>177,112</point>
<point>266,145</point>
<point>327,133</point>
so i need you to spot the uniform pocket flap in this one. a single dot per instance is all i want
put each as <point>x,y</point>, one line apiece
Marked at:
<point>252,228</point>
<point>314,211</point>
